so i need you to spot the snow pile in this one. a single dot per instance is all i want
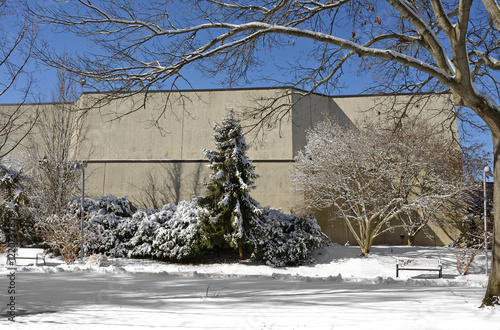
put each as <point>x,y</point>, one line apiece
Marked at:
<point>332,263</point>
<point>96,260</point>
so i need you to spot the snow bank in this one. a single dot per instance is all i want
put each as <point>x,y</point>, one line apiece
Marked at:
<point>333,263</point>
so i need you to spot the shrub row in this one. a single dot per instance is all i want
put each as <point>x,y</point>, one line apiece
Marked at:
<point>175,232</point>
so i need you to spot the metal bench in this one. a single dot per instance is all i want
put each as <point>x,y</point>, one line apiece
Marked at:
<point>30,254</point>
<point>414,265</point>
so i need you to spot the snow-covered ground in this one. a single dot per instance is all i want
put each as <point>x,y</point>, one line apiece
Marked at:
<point>340,291</point>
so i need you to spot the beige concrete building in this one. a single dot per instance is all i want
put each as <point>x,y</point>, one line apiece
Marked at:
<point>158,137</point>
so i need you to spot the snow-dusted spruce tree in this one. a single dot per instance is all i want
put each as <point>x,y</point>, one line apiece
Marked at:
<point>371,178</point>
<point>471,225</point>
<point>231,209</point>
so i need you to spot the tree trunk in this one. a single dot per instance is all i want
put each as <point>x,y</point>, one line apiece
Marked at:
<point>19,239</point>
<point>411,240</point>
<point>490,113</point>
<point>366,247</point>
<point>241,250</point>
<point>492,296</point>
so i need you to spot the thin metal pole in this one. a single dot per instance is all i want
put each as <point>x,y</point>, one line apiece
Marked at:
<point>81,212</point>
<point>486,169</point>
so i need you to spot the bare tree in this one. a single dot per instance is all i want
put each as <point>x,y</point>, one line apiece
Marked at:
<point>418,45</point>
<point>373,176</point>
<point>59,134</point>
<point>465,257</point>
<point>65,234</point>
<point>16,51</point>
<point>426,154</point>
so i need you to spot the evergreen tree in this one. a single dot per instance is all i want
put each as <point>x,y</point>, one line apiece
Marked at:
<point>231,209</point>
<point>14,212</point>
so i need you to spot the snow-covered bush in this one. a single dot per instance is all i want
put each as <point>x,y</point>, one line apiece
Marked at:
<point>181,236</point>
<point>103,216</point>
<point>176,233</point>
<point>15,213</point>
<point>282,239</point>
<point>116,206</point>
<point>173,232</point>
<point>148,223</point>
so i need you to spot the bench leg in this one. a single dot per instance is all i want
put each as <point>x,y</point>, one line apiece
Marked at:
<point>397,270</point>
<point>36,262</point>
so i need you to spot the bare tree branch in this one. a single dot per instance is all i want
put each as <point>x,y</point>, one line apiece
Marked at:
<point>494,10</point>
<point>16,51</point>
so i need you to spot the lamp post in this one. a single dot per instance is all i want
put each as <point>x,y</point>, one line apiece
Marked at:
<point>485,170</point>
<point>80,167</point>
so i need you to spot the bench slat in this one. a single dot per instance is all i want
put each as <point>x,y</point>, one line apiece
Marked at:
<point>426,269</point>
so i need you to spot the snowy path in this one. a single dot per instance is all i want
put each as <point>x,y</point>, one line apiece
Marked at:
<point>69,300</point>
